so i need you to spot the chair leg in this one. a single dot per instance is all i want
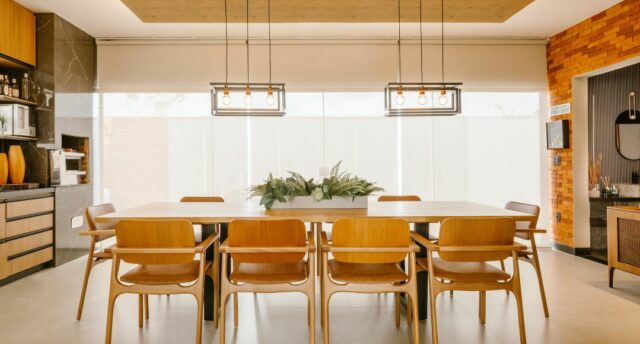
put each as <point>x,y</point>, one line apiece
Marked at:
<point>222,325</point>
<point>517,291</point>
<point>325,318</point>
<point>483,307</point>
<point>412,308</point>
<point>85,282</point>
<point>235,309</point>
<point>611,271</point>
<point>146,306</point>
<point>536,266</point>
<point>397,302</point>
<point>409,307</point>
<point>112,301</point>
<point>216,294</point>
<point>312,319</point>
<point>140,306</point>
<point>199,316</point>
<point>433,295</point>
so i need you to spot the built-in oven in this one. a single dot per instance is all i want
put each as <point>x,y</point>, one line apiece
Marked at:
<point>19,120</point>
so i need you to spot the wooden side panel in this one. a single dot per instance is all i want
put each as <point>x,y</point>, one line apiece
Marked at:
<point>3,261</point>
<point>33,206</point>
<point>19,227</point>
<point>20,264</point>
<point>3,233</point>
<point>28,243</point>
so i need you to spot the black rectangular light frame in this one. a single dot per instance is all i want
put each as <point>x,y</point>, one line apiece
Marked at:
<point>278,90</point>
<point>393,87</point>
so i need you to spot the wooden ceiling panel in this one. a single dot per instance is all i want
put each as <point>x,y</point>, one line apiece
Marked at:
<point>324,11</point>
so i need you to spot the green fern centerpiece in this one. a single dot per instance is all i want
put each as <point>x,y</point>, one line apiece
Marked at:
<point>337,184</point>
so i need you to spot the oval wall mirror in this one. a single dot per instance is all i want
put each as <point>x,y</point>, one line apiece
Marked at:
<point>628,134</point>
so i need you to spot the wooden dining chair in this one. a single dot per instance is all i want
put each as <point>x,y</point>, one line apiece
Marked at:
<point>165,254</point>
<point>366,256</point>
<point>99,233</point>
<point>526,230</point>
<point>400,198</point>
<point>216,254</point>
<point>464,249</point>
<point>268,256</point>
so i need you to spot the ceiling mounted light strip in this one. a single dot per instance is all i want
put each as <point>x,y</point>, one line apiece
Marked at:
<point>422,98</point>
<point>247,99</point>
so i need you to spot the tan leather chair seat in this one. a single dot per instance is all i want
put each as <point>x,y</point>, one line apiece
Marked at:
<point>163,274</point>
<point>465,271</point>
<point>366,273</point>
<point>269,273</point>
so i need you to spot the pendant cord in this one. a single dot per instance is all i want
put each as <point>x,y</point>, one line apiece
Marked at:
<point>226,45</point>
<point>269,20</point>
<point>421,59</point>
<point>442,37</point>
<point>247,42</point>
<point>399,49</point>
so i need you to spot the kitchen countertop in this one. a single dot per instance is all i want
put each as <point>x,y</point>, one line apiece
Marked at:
<point>26,194</point>
<point>614,199</point>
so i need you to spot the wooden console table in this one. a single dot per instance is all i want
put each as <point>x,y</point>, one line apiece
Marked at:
<point>623,239</point>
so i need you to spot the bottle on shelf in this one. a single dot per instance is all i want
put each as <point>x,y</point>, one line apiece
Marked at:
<point>15,89</point>
<point>1,84</point>
<point>26,87</point>
<point>6,88</point>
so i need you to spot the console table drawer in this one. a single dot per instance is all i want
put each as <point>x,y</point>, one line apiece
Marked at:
<point>31,224</point>
<point>30,260</point>
<point>29,207</point>
<point>18,246</point>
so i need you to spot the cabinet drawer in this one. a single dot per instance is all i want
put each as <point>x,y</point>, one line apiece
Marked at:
<point>30,260</point>
<point>21,245</point>
<point>31,224</point>
<point>29,207</point>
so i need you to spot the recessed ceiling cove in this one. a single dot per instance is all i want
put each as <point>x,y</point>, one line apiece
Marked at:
<point>324,11</point>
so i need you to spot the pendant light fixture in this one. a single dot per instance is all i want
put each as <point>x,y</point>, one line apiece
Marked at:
<point>422,98</point>
<point>247,99</point>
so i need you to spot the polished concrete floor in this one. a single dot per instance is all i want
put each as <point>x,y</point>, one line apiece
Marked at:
<point>41,309</point>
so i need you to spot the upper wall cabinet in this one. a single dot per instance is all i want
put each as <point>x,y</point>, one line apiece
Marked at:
<point>17,35</point>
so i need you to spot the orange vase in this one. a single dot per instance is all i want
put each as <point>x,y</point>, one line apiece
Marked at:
<point>4,168</point>
<point>16,164</point>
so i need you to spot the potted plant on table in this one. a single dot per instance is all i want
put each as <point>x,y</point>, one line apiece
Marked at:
<point>338,190</point>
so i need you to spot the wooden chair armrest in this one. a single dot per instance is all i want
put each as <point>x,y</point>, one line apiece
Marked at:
<point>128,250</point>
<point>225,248</point>
<point>340,249</point>
<point>482,248</point>
<point>531,230</point>
<point>425,242</point>
<point>325,240</point>
<point>311,242</point>
<point>99,232</point>
<point>207,243</point>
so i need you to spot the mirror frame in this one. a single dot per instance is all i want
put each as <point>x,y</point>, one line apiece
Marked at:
<point>624,118</point>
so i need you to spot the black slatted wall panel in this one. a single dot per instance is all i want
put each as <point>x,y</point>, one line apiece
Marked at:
<point>608,97</point>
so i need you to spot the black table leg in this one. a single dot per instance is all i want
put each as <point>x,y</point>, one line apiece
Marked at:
<point>422,277</point>
<point>208,230</point>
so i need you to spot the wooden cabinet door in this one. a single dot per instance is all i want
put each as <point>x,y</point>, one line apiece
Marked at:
<point>17,32</point>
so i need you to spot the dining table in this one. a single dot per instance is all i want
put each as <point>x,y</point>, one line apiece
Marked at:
<point>209,215</point>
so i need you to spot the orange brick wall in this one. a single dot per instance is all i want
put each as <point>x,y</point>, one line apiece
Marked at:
<point>604,39</point>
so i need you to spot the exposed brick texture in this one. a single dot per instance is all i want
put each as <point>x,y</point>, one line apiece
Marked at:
<point>604,39</point>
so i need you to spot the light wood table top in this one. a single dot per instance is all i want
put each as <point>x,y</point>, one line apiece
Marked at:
<point>208,213</point>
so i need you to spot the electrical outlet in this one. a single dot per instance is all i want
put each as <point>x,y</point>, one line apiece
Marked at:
<point>558,217</point>
<point>557,160</point>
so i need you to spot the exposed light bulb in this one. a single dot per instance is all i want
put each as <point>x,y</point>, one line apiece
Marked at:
<point>248,100</point>
<point>443,99</point>
<point>400,97</point>
<point>422,97</point>
<point>270,99</point>
<point>226,98</point>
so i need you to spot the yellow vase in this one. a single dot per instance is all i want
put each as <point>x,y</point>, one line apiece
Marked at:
<point>4,168</point>
<point>16,164</point>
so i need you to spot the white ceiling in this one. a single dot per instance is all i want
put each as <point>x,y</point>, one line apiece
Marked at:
<point>112,19</point>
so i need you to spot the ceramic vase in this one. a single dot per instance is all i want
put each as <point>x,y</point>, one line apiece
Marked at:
<point>16,164</point>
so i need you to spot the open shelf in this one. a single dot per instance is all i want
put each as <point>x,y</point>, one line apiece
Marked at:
<point>7,99</point>
<point>18,138</point>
